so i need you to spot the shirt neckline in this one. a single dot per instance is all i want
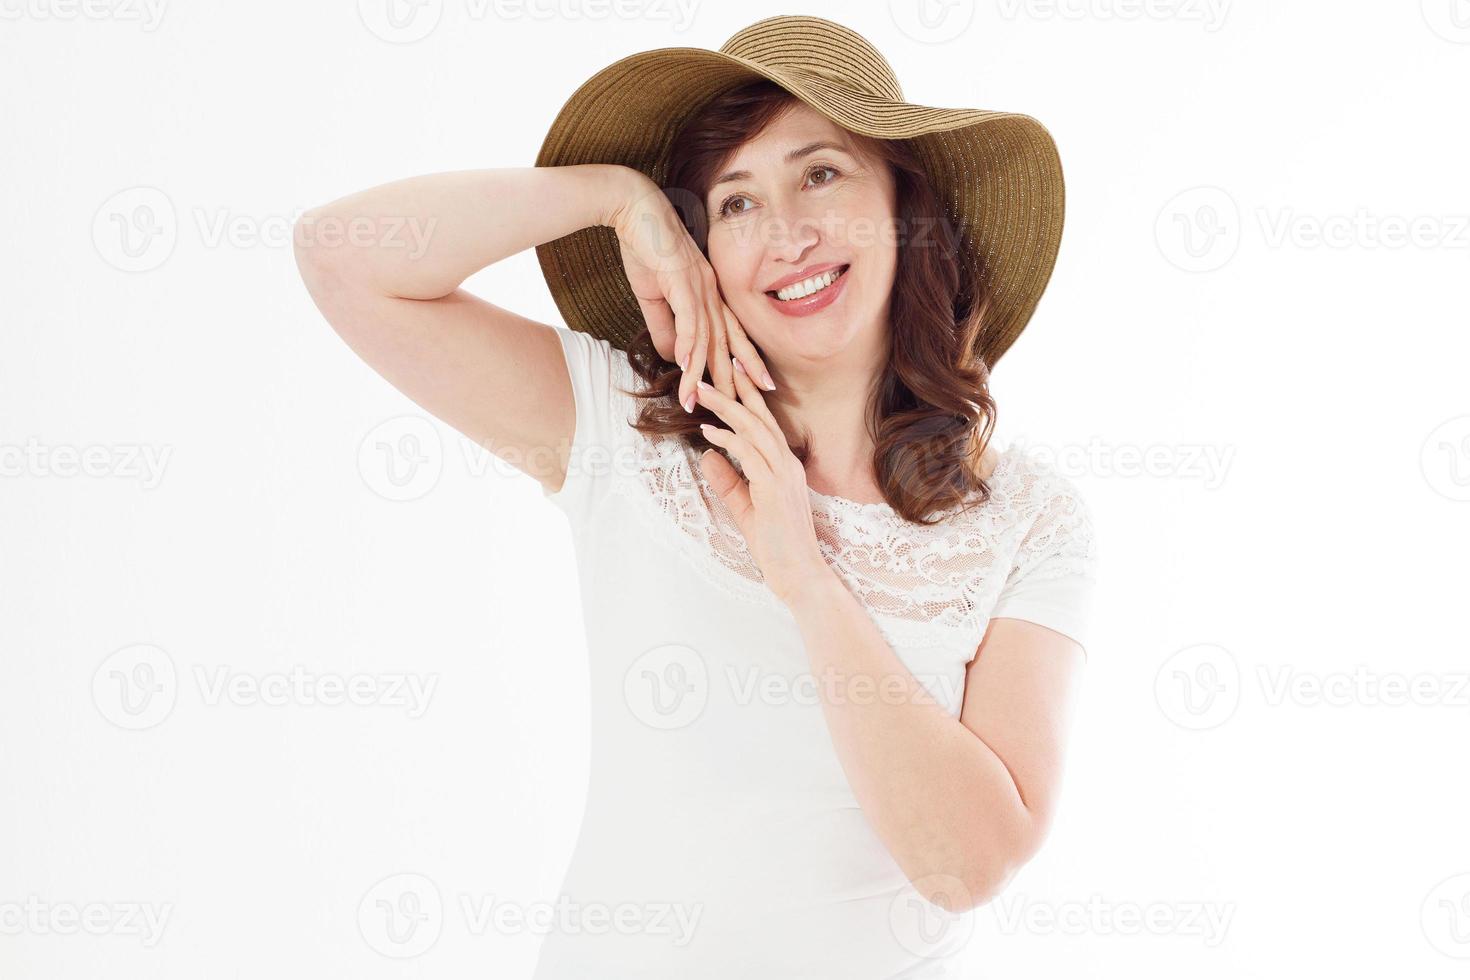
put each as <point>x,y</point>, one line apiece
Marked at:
<point>883,508</point>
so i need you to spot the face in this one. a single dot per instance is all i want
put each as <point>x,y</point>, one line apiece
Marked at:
<point>777,218</point>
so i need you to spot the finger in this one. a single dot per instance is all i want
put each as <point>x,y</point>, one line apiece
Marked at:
<point>751,397</point>
<point>780,454</point>
<point>698,360</point>
<point>720,368</point>
<point>683,334</point>
<point>726,481</point>
<point>743,421</point>
<point>656,314</point>
<point>741,347</point>
<point>750,460</point>
<point>692,359</point>
<point>660,320</point>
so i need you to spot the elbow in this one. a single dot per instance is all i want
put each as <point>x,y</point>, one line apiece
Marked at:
<point>983,872</point>
<point>988,882</point>
<point>969,889</point>
<point>305,246</point>
<point>326,268</point>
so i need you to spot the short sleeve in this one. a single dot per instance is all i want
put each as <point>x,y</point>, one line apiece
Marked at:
<point>1054,573</point>
<point>604,442</point>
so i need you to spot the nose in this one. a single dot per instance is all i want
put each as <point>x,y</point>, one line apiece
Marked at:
<point>790,235</point>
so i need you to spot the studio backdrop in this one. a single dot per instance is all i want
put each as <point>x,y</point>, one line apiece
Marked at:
<point>294,677</point>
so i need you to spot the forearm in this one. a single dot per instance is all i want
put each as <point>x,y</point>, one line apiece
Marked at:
<point>939,798</point>
<point>421,237</point>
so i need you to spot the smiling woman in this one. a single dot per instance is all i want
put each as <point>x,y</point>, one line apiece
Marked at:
<point>833,251</point>
<point>835,636</point>
<point>850,523</point>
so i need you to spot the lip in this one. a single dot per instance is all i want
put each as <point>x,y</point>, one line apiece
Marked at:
<point>814,303</point>
<point>807,273</point>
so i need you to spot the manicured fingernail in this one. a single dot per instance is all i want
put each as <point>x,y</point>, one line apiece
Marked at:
<point>739,367</point>
<point>684,363</point>
<point>705,427</point>
<point>705,385</point>
<point>689,404</point>
<point>770,385</point>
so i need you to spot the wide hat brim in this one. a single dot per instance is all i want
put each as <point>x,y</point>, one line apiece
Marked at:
<point>998,173</point>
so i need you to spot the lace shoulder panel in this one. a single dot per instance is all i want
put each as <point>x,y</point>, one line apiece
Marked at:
<point>1059,537</point>
<point>913,577</point>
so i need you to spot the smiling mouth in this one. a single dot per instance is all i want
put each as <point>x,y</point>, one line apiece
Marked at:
<point>831,279</point>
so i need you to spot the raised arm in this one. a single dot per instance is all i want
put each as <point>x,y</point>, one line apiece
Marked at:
<point>384,266</point>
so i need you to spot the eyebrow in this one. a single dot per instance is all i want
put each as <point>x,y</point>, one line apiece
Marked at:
<point>791,157</point>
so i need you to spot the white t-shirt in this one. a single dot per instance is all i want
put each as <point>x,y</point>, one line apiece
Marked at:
<point>720,837</point>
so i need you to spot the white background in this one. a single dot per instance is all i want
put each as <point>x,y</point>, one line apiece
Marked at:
<point>1261,390</point>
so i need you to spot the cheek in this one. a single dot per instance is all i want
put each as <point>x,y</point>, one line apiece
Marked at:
<point>871,235</point>
<point>729,264</point>
<point>888,262</point>
<point>737,271</point>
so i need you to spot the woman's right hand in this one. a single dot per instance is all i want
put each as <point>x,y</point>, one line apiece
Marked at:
<point>679,294</point>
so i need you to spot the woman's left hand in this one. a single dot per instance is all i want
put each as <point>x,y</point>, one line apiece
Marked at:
<point>770,504</point>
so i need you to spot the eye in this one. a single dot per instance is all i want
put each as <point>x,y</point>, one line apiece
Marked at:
<point>819,168</point>
<point>724,209</point>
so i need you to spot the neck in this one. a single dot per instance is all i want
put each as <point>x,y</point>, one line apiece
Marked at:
<point>828,401</point>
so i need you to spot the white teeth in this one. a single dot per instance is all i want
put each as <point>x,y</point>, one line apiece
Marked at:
<point>808,286</point>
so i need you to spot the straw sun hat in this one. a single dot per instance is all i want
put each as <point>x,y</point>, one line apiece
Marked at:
<point>998,173</point>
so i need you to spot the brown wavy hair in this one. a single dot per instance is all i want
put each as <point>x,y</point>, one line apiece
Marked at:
<point>930,413</point>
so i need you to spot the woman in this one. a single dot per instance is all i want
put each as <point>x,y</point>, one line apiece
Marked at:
<point>835,636</point>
